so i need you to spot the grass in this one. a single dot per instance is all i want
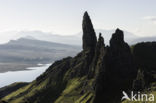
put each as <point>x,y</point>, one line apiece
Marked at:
<point>27,91</point>
<point>71,92</point>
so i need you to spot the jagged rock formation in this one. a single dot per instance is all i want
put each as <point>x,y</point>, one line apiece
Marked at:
<point>89,37</point>
<point>98,74</point>
<point>145,57</point>
<point>120,60</point>
<point>119,70</point>
<point>98,57</point>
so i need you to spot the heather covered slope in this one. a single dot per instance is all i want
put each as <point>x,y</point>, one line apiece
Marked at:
<point>98,74</point>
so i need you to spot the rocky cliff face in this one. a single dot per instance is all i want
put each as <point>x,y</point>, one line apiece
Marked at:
<point>119,72</point>
<point>145,57</point>
<point>119,59</point>
<point>98,74</point>
<point>89,37</point>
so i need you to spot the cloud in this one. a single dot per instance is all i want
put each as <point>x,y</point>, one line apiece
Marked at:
<point>150,18</point>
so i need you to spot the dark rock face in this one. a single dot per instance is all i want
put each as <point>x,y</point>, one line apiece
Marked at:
<point>118,70</point>
<point>97,60</point>
<point>145,56</point>
<point>117,38</point>
<point>139,82</point>
<point>100,41</point>
<point>89,37</point>
<point>119,57</point>
<point>85,58</point>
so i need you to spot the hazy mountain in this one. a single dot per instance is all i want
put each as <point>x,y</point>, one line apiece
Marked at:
<point>144,39</point>
<point>75,39</point>
<point>30,50</point>
<point>18,54</point>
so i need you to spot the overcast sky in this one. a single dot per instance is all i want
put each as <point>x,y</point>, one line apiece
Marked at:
<point>65,16</point>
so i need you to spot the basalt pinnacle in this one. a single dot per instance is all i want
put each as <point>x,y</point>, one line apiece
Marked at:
<point>117,37</point>
<point>89,36</point>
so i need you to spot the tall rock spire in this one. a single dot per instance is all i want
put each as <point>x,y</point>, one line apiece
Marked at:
<point>89,36</point>
<point>117,38</point>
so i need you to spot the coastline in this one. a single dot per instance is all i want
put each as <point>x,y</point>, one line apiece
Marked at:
<point>27,75</point>
<point>8,67</point>
<point>5,67</point>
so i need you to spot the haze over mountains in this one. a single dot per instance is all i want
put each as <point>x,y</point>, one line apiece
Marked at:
<point>23,52</point>
<point>76,39</point>
<point>70,39</point>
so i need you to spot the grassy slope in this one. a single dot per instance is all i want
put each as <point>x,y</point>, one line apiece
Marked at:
<point>29,90</point>
<point>71,94</point>
<point>50,87</point>
<point>11,88</point>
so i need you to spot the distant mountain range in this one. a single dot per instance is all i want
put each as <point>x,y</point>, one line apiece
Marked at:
<point>25,52</point>
<point>32,50</point>
<point>76,39</point>
<point>39,35</point>
<point>144,39</point>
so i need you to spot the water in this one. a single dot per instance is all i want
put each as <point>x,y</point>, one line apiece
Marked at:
<point>21,76</point>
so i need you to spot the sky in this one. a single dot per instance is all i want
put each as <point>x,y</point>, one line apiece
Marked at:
<point>65,16</point>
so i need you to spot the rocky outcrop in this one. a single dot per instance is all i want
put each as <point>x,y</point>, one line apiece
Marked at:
<point>118,70</point>
<point>98,57</point>
<point>117,38</point>
<point>85,58</point>
<point>119,57</point>
<point>145,56</point>
<point>89,36</point>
